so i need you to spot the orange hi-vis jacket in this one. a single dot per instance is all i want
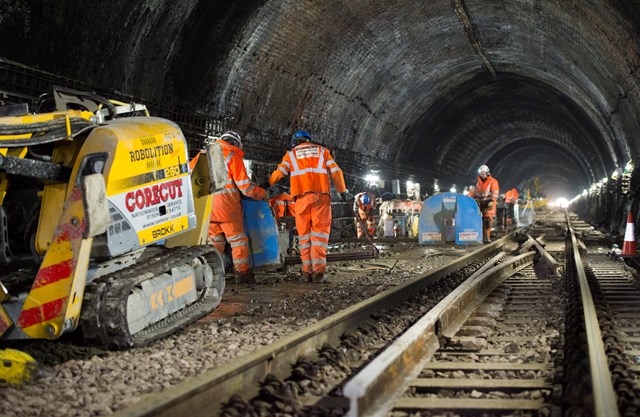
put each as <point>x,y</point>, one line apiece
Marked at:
<point>363,209</point>
<point>309,166</point>
<point>282,205</point>
<point>226,202</point>
<point>511,196</point>
<point>487,190</point>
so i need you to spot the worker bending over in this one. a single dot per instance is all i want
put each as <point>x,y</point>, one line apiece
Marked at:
<point>470,191</point>
<point>282,205</point>
<point>225,224</point>
<point>310,166</point>
<point>363,208</point>
<point>486,193</point>
<point>510,199</point>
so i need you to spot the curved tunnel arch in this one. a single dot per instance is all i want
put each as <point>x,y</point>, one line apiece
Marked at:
<point>364,76</point>
<point>488,115</point>
<point>513,165</point>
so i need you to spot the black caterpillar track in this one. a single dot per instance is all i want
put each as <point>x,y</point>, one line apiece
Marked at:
<point>104,311</point>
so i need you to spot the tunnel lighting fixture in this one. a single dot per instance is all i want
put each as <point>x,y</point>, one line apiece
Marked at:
<point>585,192</point>
<point>453,189</point>
<point>616,174</point>
<point>629,166</point>
<point>605,180</point>
<point>436,188</point>
<point>372,179</point>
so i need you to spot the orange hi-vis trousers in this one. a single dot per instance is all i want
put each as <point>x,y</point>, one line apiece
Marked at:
<point>313,222</point>
<point>233,232</point>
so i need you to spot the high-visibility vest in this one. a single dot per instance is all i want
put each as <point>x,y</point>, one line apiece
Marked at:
<point>511,196</point>
<point>282,205</point>
<point>309,166</point>
<point>487,188</point>
<point>359,205</point>
<point>226,202</point>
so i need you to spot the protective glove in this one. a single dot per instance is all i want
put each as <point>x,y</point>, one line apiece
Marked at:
<point>345,196</point>
<point>264,184</point>
<point>490,204</point>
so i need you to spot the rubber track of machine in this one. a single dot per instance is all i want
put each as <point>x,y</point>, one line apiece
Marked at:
<point>104,315</point>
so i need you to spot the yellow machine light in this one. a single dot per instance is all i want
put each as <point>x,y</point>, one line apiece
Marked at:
<point>16,367</point>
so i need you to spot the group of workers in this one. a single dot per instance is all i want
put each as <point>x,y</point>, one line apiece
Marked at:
<point>310,167</point>
<point>486,193</point>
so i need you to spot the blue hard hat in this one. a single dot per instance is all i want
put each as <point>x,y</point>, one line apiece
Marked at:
<point>295,139</point>
<point>365,199</point>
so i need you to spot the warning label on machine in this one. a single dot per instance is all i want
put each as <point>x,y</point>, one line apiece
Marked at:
<point>467,236</point>
<point>431,236</point>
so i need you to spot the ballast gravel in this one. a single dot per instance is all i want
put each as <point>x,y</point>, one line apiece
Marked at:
<point>84,381</point>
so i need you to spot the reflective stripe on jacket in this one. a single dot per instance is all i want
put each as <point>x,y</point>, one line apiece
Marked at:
<point>282,205</point>
<point>226,202</point>
<point>309,166</point>
<point>487,189</point>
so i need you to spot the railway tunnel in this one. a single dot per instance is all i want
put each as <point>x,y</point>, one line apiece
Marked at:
<point>425,92</point>
<point>544,92</point>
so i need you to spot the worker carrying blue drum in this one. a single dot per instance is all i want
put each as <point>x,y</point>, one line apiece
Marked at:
<point>363,210</point>
<point>486,194</point>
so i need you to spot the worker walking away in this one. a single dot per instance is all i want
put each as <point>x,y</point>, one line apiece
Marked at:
<point>486,194</point>
<point>363,208</point>
<point>225,224</point>
<point>309,166</point>
<point>510,200</point>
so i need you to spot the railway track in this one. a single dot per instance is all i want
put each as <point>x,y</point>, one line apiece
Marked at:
<point>208,394</point>
<point>546,326</point>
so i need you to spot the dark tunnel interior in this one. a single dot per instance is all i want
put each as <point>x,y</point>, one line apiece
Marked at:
<point>539,90</point>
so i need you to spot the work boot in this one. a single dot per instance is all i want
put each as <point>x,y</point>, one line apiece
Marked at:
<point>318,277</point>
<point>245,277</point>
<point>307,276</point>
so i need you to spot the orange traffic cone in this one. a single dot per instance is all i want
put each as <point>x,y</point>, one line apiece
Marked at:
<point>629,246</point>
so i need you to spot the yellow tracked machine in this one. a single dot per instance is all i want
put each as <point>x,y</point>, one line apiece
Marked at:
<point>103,223</point>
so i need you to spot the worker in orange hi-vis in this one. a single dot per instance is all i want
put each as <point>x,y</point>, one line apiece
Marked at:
<point>363,208</point>
<point>510,199</point>
<point>310,167</point>
<point>470,192</point>
<point>225,224</point>
<point>282,205</point>
<point>486,194</point>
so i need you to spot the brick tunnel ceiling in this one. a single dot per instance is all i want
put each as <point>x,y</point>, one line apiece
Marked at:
<point>532,88</point>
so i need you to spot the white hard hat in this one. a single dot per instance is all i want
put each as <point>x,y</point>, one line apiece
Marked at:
<point>231,137</point>
<point>483,168</point>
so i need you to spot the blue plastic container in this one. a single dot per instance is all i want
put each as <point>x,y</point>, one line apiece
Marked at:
<point>450,217</point>
<point>262,231</point>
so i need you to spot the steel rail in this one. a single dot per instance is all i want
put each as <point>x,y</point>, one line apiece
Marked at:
<point>205,394</point>
<point>374,390</point>
<point>605,400</point>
